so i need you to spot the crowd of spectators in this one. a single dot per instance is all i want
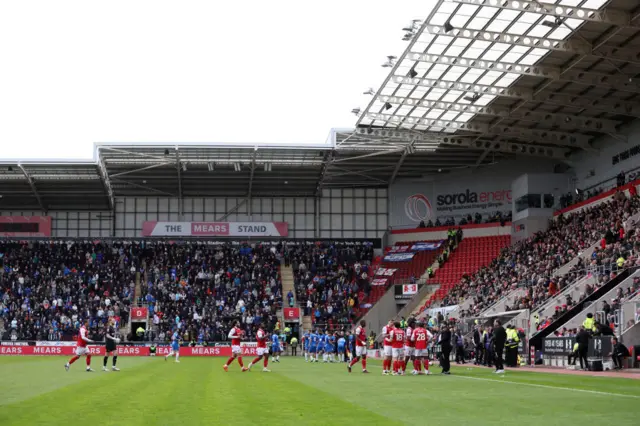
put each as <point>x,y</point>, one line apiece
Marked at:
<point>477,218</point>
<point>331,281</point>
<point>531,263</point>
<point>202,289</point>
<point>47,288</point>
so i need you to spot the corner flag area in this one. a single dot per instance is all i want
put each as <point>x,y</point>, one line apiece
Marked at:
<point>149,391</point>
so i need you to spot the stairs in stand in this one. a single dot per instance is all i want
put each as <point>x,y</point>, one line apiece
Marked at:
<point>288,284</point>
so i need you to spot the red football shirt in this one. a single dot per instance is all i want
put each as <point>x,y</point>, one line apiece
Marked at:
<point>361,336</point>
<point>420,338</point>
<point>397,338</point>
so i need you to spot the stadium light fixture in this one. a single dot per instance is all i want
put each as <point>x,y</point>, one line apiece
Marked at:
<point>267,167</point>
<point>390,62</point>
<point>473,98</point>
<point>387,106</point>
<point>166,152</point>
<point>413,73</point>
<point>369,91</point>
<point>237,167</point>
<point>407,36</point>
<point>356,111</point>
<point>210,166</point>
<point>447,26</point>
<point>184,167</point>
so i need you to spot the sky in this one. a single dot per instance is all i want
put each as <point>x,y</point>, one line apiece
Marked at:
<point>280,72</point>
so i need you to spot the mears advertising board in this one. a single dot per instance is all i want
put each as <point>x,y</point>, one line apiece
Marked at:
<point>60,348</point>
<point>215,229</point>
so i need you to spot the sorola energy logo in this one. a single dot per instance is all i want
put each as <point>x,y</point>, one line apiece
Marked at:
<point>417,207</point>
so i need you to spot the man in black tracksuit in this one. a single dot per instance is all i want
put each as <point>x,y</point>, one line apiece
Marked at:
<point>445,344</point>
<point>499,339</point>
<point>477,342</point>
<point>582,338</point>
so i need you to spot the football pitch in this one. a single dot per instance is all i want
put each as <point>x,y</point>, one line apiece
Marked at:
<point>149,391</point>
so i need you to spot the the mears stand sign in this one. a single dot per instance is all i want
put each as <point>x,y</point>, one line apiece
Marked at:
<point>215,229</point>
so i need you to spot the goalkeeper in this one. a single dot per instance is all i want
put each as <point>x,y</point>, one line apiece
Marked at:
<point>111,340</point>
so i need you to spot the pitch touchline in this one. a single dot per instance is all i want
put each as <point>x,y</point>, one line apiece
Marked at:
<point>549,387</point>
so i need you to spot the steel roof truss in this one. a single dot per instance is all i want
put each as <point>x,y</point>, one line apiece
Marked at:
<point>588,78</point>
<point>33,187</point>
<point>569,46</point>
<point>566,121</point>
<point>618,18</point>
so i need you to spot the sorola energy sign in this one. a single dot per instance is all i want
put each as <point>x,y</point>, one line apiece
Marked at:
<point>473,200</point>
<point>215,229</point>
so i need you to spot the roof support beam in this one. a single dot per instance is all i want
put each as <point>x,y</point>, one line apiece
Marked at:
<point>106,182</point>
<point>618,18</point>
<point>553,137</point>
<point>328,158</point>
<point>33,187</point>
<point>570,46</point>
<point>153,166</point>
<point>561,120</point>
<point>617,82</point>
<point>178,165</point>
<point>232,210</point>
<point>604,105</point>
<point>407,151</point>
<point>253,169</point>
<point>145,187</point>
<point>373,154</point>
<point>358,173</point>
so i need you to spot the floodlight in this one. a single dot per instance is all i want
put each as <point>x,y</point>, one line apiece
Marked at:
<point>412,73</point>
<point>387,106</point>
<point>448,27</point>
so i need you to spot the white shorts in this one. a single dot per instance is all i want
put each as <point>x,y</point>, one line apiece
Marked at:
<point>387,350</point>
<point>397,352</point>
<point>236,349</point>
<point>361,350</point>
<point>82,351</point>
<point>408,351</point>
<point>262,351</point>
<point>421,352</point>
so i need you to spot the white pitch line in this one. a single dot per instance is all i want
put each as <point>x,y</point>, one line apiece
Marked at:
<point>549,387</point>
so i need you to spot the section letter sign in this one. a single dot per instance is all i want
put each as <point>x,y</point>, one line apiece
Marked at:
<point>215,229</point>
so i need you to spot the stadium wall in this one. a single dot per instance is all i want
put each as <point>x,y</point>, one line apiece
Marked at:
<point>468,191</point>
<point>598,168</point>
<point>339,213</point>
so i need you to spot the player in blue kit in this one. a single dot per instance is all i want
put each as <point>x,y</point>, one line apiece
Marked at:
<point>328,347</point>
<point>175,347</point>
<point>342,342</point>
<point>351,346</point>
<point>275,348</point>
<point>321,340</point>
<point>313,346</point>
<point>305,345</point>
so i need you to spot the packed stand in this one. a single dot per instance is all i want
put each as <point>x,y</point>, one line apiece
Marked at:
<point>331,281</point>
<point>531,263</point>
<point>201,289</point>
<point>47,288</point>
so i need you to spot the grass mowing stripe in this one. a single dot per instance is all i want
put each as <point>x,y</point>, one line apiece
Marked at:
<point>546,386</point>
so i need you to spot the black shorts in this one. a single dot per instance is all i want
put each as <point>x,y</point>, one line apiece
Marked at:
<point>110,347</point>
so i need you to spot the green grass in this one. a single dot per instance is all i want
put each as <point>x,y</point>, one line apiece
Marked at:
<point>149,391</point>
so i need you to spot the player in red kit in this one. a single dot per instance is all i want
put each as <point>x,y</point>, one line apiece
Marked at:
<point>397,345</point>
<point>408,344</point>
<point>235,334</point>
<point>421,337</point>
<point>386,362</point>
<point>81,347</point>
<point>261,350</point>
<point>361,347</point>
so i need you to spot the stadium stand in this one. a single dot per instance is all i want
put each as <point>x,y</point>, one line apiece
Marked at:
<point>330,281</point>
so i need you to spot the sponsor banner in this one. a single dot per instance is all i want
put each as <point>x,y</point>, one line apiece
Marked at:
<point>563,346</point>
<point>406,291</point>
<point>398,257</point>
<point>387,272</point>
<point>399,249</point>
<point>291,313</point>
<point>139,314</point>
<point>366,306</point>
<point>379,281</point>
<point>25,226</point>
<point>63,350</point>
<point>426,246</point>
<point>215,229</point>
<point>409,289</point>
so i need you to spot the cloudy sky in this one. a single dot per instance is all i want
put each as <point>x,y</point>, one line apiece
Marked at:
<point>78,72</point>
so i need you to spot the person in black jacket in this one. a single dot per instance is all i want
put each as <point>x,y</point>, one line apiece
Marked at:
<point>445,344</point>
<point>477,342</point>
<point>499,339</point>
<point>582,338</point>
<point>619,352</point>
